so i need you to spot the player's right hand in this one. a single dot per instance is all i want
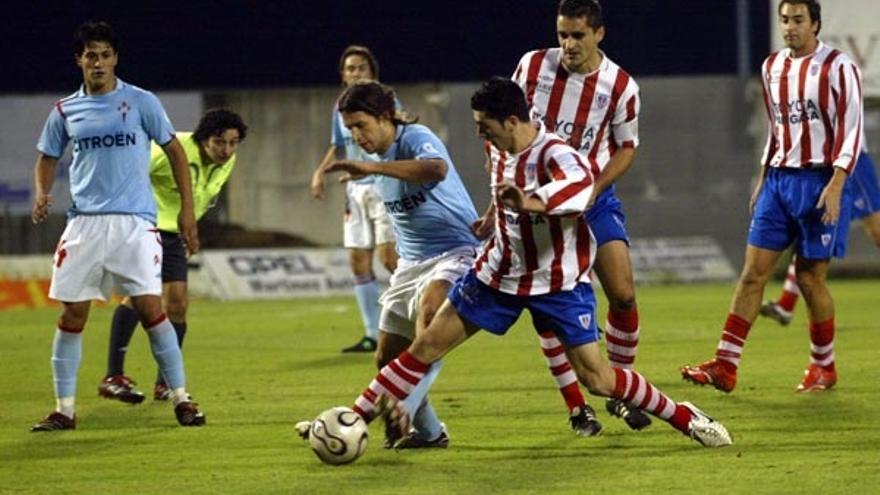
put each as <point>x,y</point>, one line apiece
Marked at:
<point>42,205</point>
<point>186,224</point>
<point>317,186</point>
<point>483,228</point>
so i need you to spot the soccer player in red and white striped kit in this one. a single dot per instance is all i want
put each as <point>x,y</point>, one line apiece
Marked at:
<point>538,258</point>
<point>584,97</point>
<point>814,108</point>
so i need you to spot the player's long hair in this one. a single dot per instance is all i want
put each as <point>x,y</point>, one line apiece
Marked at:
<point>363,52</point>
<point>90,31</point>
<point>216,121</point>
<point>375,99</point>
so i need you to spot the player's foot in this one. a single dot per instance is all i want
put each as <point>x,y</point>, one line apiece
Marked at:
<point>774,311</point>
<point>55,422</point>
<point>303,428</point>
<point>817,379</point>
<point>366,344</point>
<point>120,387</point>
<point>705,430</point>
<point>412,441</point>
<point>720,374</point>
<point>634,417</point>
<point>397,419</point>
<point>583,421</point>
<point>188,414</point>
<point>161,392</point>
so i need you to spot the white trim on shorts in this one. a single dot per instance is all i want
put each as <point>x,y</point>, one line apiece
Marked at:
<point>98,253</point>
<point>400,303</point>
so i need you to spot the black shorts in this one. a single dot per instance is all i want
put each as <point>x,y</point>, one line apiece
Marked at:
<point>173,257</point>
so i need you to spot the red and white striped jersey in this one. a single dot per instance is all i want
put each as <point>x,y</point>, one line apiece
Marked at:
<point>532,254</point>
<point>814,109</point>
<point>596,113</point>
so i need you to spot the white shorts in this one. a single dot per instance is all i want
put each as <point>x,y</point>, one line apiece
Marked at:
<point>366,225</point>
<point>99,252</point>
<point>400,303</point>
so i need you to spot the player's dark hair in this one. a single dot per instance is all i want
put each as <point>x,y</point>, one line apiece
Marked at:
<point>812,6</point>
<point>90,31</point>
<point>375,99</point>
<point>500,98</point>
<point>589,9</point>
<point>216,121</point>
<point>363,52</point>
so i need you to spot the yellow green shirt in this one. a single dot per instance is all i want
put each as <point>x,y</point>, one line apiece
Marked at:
<point>207,181</point>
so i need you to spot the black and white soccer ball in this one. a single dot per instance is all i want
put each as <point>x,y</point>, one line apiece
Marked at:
<point>338,436</point>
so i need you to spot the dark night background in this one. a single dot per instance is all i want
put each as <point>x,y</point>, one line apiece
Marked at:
<point>227,44</point>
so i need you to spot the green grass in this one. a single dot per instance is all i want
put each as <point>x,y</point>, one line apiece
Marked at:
<point>257,367</point>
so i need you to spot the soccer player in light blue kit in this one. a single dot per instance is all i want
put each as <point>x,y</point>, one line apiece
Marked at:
<point>110,239</point>
<point>367,226</point>
<point>432,215</point>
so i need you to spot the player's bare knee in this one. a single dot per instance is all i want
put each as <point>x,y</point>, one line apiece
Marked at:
<point>176,309</point>
<point>624,303</point>
<point>74,315</point>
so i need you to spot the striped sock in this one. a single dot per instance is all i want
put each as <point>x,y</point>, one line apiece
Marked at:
<point>398,378</point>
<point>790,290</point>
<point>561,370</point>
<point>622,338</point>
<point>635,390</point>
<point>733,338</point>
<point>822,344</point>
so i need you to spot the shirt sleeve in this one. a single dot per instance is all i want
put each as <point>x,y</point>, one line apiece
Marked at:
<point>54,138</point>
<point>336,137</point>
<point>154,119</point>
<point>423,145</point>
<point>847,87</point>
<point>625,123</point>
<point>571,183</point>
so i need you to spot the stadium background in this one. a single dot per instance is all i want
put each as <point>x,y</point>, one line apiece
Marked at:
<point>702,121</point>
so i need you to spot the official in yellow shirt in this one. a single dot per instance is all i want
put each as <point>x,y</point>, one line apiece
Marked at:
<point>210,151</point>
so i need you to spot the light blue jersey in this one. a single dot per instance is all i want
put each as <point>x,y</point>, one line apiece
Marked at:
<point>342,139</point>
<point>428,219</point>
<point>111,134</point>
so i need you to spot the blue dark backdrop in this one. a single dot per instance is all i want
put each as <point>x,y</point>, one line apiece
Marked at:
<point>249,44</point>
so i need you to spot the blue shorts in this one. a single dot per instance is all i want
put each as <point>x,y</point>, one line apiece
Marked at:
<point>786,214</point>
<point>569,314</point>
<point>865,188</point>
<point>174,268</point>
<point>606,218</point>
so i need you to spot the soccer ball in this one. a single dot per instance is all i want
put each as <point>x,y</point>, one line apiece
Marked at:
<point>338,435</point>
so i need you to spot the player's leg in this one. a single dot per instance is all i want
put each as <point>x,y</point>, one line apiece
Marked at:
<point>581,416</point>
<point>821,373</point>
<point>871,224</point>
<point>175,300</point>
<point>66,357</point>
<point>359,239</point>
<point>634,389</point>
<point>571,314</point>
<point>78,276</point>
<point>136,267</point>
<point>781,310</point>
<point>720,372</point>
<point>614,269</point>
<point>116,385</point>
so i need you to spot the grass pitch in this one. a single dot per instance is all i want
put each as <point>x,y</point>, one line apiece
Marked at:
<point>258,367</point>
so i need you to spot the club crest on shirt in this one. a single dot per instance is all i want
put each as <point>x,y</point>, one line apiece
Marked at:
<point>124,108</point>
<point>602,100</point>
<point>826,239</point>
<point>814,69</point>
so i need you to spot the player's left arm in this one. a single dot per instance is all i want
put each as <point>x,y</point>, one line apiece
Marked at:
<point>186,219</point>
<point>568,191</point>
<point>625,132</point>
<point>847,140</point>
